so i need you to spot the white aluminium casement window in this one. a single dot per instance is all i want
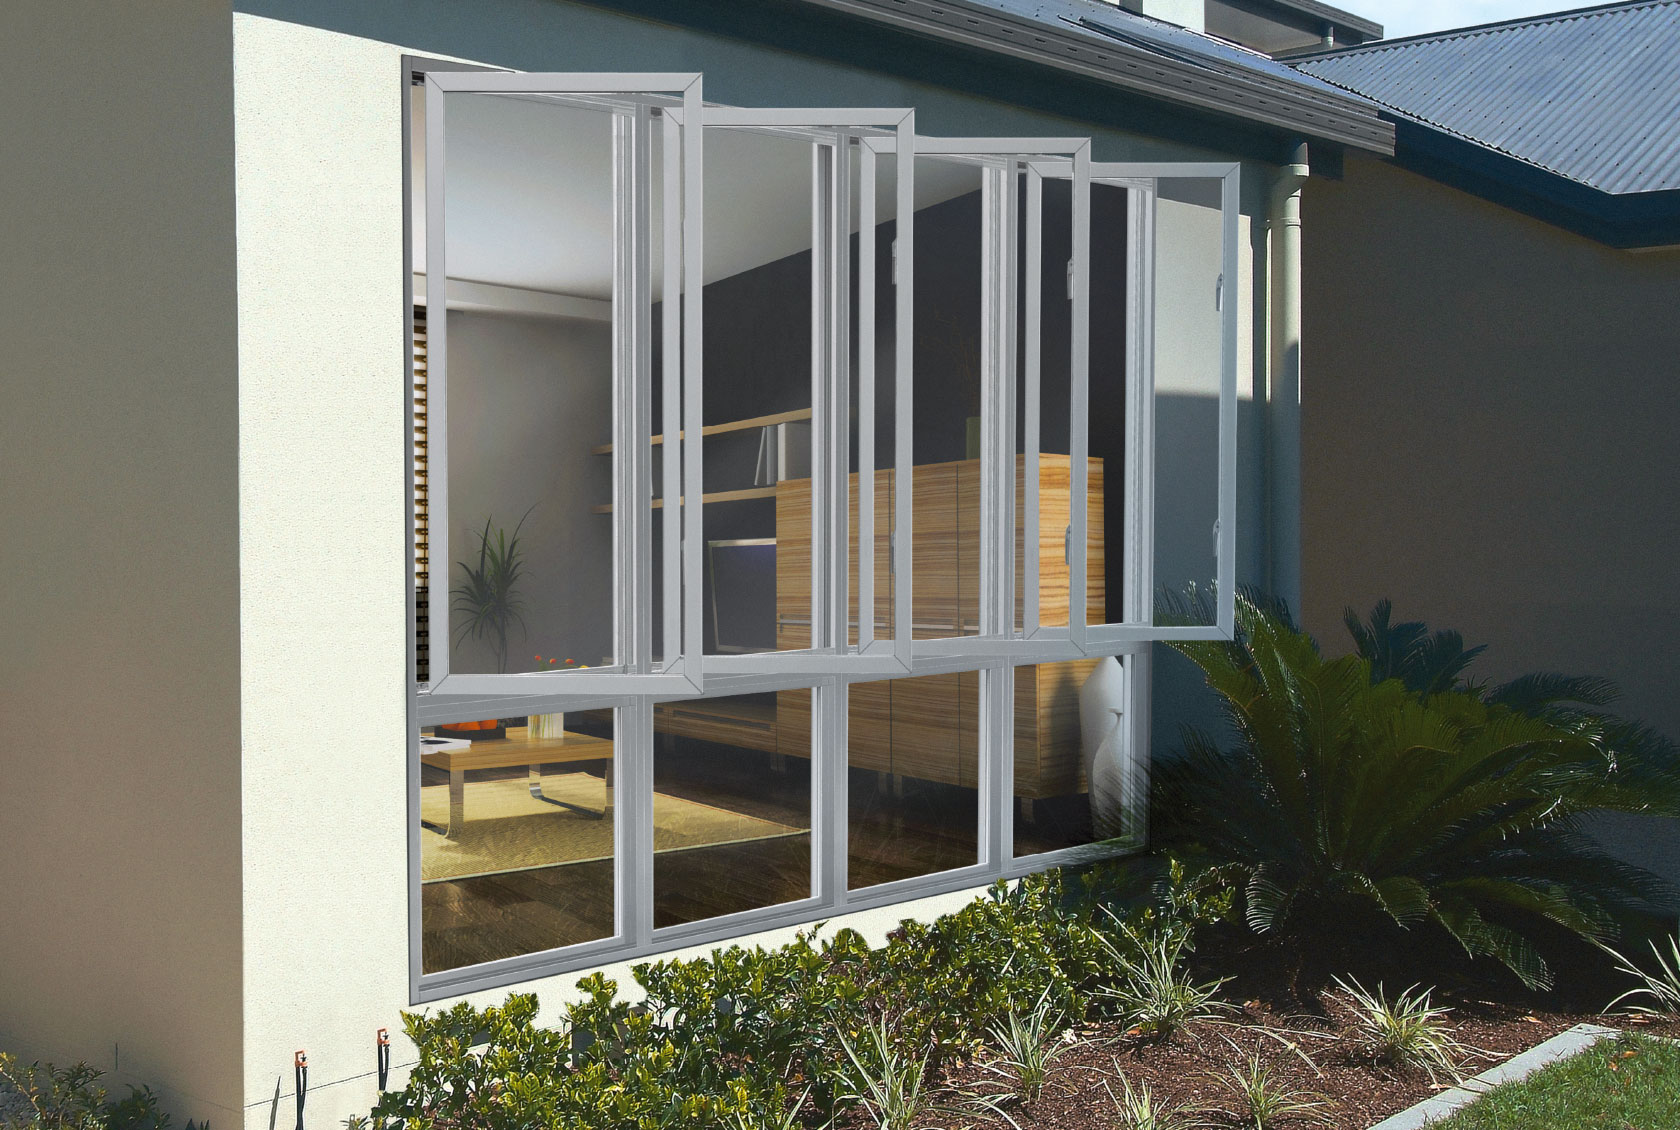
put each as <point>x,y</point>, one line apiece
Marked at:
<point>619,121</point>
<point>1176,376</point>
<point>834,519</point>
<point>1004,536</point>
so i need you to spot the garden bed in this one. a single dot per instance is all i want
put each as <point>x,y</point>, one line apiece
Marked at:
<point>1193,1069</point>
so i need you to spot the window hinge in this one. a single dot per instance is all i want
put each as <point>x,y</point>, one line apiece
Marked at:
<point>895,262</point>
<point>1216,538</point>
<point>1070,280</point>
<point>1067,546</point>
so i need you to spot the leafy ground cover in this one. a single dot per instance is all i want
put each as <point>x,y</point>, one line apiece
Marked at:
<point>1633,1081</point>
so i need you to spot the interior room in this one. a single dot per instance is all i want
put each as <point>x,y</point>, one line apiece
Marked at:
<point>517,814</point>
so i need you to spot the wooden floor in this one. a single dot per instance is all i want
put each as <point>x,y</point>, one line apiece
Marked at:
<point>931,828</point>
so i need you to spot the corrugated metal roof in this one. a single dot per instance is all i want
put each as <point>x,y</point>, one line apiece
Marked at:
<point>1592,95</point>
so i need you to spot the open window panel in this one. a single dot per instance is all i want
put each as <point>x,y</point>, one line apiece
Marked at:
<point>560,239</point>
<point>807,376</point>
<point>969,274</point>
<point>1154,534</point>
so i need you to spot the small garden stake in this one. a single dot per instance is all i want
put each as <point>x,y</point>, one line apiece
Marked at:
<point>300,1075</point>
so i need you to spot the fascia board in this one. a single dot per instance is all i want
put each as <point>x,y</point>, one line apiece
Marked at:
<point>1348,122</point>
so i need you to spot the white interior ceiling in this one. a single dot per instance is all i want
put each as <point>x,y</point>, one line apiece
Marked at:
<point>529,195</point>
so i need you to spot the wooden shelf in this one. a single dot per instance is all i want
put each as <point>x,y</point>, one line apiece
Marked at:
<point>731,426</point>
<point>715,496</point>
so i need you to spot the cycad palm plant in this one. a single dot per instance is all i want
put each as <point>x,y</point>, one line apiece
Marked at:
<point>1349,801</point>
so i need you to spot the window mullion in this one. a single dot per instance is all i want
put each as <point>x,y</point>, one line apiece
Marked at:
<point>1079,473</point>
<point>1140,407</point>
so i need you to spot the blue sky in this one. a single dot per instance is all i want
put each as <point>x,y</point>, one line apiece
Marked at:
<point>1415,17</point>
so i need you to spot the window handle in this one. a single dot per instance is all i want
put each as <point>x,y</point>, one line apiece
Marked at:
<point>1070,280</point>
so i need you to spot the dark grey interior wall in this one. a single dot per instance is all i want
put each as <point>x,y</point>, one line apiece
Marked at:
<point>528,399</point>
<point>758,341</point>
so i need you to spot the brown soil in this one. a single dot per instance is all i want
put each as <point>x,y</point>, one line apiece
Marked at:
<point>1310,1048</point>
<point>1315,1060</point>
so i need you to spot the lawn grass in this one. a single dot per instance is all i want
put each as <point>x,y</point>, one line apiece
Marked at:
<point>1628,1083</point>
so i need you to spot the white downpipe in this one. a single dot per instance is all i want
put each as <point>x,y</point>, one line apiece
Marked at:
<point>1283,401</point>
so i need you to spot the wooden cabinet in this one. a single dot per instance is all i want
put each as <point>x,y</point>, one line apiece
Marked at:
<point>927,727</point>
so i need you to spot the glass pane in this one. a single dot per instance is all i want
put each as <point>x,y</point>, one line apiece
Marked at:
<point>530,231</point>
<point>1049,347</point>
<point>1187,368</point>
<point>914,783</point>
<point>1105,499</point>
<point>758,363</point>
<point>516,836</point>
<point>946,359</point>
<point>872,322</point>
<point>731,805</point>
<point>1071,754</point>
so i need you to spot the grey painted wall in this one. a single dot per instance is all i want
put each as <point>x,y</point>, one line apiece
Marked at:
<point>1489,437</point>
<point>528,399</point>
<point>120,901</point>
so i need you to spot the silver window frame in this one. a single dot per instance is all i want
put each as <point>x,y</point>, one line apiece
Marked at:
<point>633,672</point>
<point>830,132</point>
<point>634,695</point>
<point>1141,179</point>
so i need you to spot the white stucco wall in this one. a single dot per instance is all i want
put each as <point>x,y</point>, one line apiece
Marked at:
<point>119,650</point>
<point>1489,439</point>
<point>322,510</point>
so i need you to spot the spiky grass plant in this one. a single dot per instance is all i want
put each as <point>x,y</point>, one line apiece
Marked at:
<point>1408,1031</point>
<point>884,1080</point>
<point>488,596</point>
<point>1149,986</point>
<point>1139,1110</point>
<point>1662,988</point>
<point>1266,1099</point>
<point>1027,1048</point>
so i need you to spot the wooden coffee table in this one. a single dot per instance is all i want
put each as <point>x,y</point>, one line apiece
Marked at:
<point>519,749</point>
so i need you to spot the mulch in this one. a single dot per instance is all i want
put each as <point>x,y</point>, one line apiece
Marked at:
<point>1306,1040</point>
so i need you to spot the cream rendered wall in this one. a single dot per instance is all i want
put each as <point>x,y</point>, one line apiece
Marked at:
<point>1490,427</point>
<point>119,647</point>
<point>322,510</point>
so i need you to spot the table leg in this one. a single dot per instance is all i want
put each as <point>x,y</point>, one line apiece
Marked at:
<point>457,802</point>
<point>537,792</point>
<point>607,809</point>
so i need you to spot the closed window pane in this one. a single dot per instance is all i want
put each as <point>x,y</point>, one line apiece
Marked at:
<point>1073,778</point>
<point>731,805</point>
<point>517,826</point>
<point>914,777</point>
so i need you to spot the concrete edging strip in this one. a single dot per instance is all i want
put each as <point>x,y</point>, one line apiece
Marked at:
<point>1437,1107</point>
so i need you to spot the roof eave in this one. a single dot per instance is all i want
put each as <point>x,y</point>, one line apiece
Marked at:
<point>1627,221</point>
<point>1346,121</point>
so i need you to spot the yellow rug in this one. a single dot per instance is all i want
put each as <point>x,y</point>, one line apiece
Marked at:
<point>507,829</point>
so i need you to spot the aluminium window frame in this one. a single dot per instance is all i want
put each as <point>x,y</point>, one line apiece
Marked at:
<point>632,672</point>
<point>1138,623</point>
<point>831,133</point>
<point>634,697</point>
<point>1001,159</point>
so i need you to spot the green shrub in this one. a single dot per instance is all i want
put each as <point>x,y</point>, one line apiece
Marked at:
<point>723,1040</point>
<point>1347,802</point>
<point>71,1098</point>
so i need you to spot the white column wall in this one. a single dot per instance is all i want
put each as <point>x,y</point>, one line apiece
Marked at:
<point>119,584</point>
